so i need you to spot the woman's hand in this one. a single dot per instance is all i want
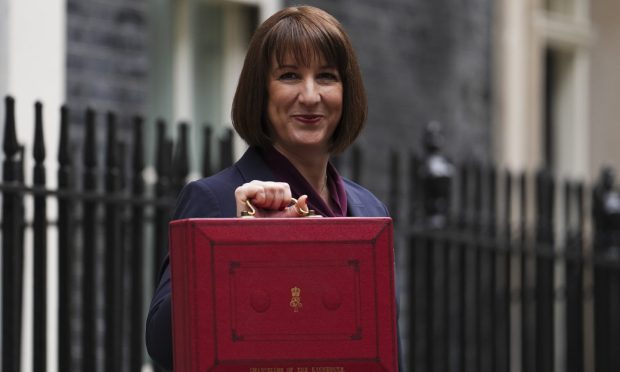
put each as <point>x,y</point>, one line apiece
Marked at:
<point>271,199</point>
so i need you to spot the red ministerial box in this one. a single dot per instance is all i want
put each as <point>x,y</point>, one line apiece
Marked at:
<point>283,295</point>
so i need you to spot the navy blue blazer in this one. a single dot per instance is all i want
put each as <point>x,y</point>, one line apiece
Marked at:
<point>214,197</point>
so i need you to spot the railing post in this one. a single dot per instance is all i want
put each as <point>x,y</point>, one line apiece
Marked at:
<point>574,277</point>
<point>65,243</point>
<point>606,218</point>
<point>226,149</point>
<point>89,246</point>
<point>528,320</point>
<point>163,160</point>
<point>163,189</point>
<point>420,346</point>
<point>414,199</point>
<point>488,281</point>
<point>436,173</point>
<point>463,208</point>
<point>40,247</point>
<point>475,266</point>
<point>207,135</point>
<point>545,194</point>
<point>136,253</point>
<point>113,248</point>
<point>180,162</point>
<point>394,186</point>
<point>504,341</point>
<point>12,246</point>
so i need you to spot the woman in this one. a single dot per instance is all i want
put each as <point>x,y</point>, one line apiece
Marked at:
<point>300,99</point>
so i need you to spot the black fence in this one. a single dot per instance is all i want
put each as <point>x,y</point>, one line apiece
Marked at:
<point>507,272</point>
<point>109,223</point>
<point>495,281</point>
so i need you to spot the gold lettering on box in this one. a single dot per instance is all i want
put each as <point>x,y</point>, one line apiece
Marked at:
<point>297,369</point>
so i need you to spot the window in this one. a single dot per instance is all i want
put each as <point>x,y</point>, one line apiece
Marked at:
<point>198,48</point>
<point>558,95</point>
<point>560,7</point>
<point>222,33</point>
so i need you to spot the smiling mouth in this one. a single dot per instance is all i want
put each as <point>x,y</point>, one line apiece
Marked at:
<point>308,119</point>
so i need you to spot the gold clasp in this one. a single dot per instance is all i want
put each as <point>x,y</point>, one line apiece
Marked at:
<point>250,213</point>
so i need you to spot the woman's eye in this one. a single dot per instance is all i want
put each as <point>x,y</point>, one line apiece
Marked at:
<point>328,76</point>
<point>288,76</point>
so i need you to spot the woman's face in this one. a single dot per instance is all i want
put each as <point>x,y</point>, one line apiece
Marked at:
<point>305,104</point>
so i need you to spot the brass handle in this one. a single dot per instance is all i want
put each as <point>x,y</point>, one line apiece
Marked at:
<point>302,212</point>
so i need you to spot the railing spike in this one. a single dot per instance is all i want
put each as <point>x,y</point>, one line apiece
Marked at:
<point>40,307</point>
<point>136,255</point>
<point>180,162</point>
<point>206,151</point>
<point>90,141</point>
<point>138,145</point>
<point>508,192</point>
<point>64,151</point>
<point>11,147</point>
<point>39,142</point>
<point>111,153</point>
<point>166,164</point>
<point>160,156</point>
<point>394,185</point>
<point>121,154</point>
<point>226,149</point>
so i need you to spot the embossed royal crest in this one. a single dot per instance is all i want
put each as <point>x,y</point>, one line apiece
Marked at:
<point>296,299</point>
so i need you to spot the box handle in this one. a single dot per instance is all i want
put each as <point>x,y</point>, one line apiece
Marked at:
<point>251,213</point>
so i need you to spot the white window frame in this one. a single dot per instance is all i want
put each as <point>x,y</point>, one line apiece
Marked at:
<point>525,30</point>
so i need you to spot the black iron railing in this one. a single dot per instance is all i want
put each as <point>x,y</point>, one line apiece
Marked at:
<point>492,257</point>
<point>109,223</point>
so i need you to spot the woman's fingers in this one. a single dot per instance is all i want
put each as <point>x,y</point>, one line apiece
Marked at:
<point>294,210</point>
<point>270,199</point>
<point>298,210</point>
<point>264,195</point>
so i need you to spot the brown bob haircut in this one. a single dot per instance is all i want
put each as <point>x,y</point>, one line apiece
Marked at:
<point>307,33</point>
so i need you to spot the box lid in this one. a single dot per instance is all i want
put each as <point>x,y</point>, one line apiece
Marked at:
<point>276,294</point>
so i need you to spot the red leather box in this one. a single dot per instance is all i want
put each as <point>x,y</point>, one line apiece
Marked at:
<point>283,295</point>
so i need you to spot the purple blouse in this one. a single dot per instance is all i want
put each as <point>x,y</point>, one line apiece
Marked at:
<point>285,171</point>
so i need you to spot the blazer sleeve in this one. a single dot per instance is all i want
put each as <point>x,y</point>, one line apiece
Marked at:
<point>196,200</point>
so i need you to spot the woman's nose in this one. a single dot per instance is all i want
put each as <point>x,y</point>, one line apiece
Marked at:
<point>310,93</point>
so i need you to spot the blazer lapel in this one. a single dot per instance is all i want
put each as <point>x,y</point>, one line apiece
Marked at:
<point>251,166</point>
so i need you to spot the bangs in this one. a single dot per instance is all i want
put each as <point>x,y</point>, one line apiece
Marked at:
<point>306,41</point>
